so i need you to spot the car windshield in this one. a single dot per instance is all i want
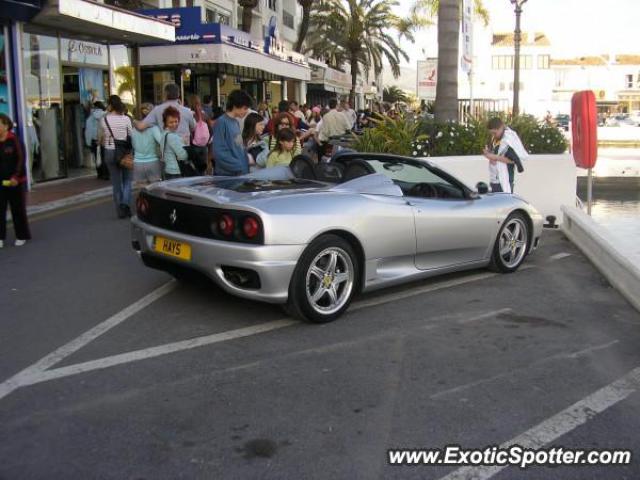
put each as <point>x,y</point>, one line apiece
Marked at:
<point>408,176</point>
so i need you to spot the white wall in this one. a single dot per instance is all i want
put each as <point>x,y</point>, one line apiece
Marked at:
<point>619,133</point>
<point>548,182</point>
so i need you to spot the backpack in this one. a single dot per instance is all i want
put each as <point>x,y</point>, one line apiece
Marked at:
<point>201,134</point>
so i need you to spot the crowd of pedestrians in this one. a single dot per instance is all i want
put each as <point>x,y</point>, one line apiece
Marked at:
<point>174,140</point>
<point>178,139</point>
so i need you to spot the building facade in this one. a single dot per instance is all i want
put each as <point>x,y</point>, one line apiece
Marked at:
<point>58,60</point>
<point>614,79</point>
<point>213,56</point>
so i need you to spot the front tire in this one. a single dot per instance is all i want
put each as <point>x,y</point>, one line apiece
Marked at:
<point>324,280</point>
<point>512,244</point>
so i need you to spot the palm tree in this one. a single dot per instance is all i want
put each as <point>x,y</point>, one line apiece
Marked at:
<point>358,32</point>
<point>393,94</point>
<point>429,9</point>
<point>126,81</point>
<point>448,13</point>
<point>306,5</point>
<point>446,107</point>
<point>247,13</point>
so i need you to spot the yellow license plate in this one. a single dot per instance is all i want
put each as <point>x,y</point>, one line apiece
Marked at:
<point>172,248</point>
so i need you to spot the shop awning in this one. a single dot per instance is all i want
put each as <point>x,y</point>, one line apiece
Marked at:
<point>89,20</point>
<point>222,54</point>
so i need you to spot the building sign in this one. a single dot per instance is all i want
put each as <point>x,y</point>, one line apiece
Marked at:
<point>22,11</point>
<point>77,51</point>
<point>189,28</point>
<point>427,78</point>
<point>239,38</point>
<point>466,59</point>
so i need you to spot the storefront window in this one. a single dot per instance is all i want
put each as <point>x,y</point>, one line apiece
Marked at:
<point>43,96</point>
<point>123,75</point>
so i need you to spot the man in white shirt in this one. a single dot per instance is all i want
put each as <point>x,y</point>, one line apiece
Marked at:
<point>187,122</point>
<point>349,112</point>
<point>334,123</point>
<point>505,156</point>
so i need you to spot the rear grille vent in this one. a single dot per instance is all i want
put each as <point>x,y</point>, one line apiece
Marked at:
<point>194,220</point>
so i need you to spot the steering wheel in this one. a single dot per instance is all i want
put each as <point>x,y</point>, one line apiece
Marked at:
<point>424,190</point>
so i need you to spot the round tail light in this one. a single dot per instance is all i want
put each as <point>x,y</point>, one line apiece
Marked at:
<point>226,224</point>
<point>250,227</point>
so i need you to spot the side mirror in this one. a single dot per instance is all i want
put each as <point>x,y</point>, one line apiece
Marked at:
<point>482,188</point>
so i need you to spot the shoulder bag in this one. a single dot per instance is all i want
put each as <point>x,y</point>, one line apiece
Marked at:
<point>124,149</point>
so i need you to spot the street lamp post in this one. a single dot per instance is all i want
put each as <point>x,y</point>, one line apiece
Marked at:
<point>516,59</point>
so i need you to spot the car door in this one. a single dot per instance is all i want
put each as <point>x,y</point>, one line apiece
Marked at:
<point>451,231</point>
<point>452,227</point>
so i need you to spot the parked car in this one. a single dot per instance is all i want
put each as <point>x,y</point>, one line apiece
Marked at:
<point>634,117</point>
<point>621,120</point>
<point>312,236</point>
<point>562,121</point>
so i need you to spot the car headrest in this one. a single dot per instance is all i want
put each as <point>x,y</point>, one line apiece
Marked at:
<point>303,167</point>
<point>329,172</point>
<point>356,168</point>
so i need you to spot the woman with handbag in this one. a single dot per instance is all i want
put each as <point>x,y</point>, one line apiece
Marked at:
<point>116,132</point>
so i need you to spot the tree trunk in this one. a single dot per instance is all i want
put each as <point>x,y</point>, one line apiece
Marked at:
<point>446,106</point>
<point>354,81</point>
<point>304,25</point>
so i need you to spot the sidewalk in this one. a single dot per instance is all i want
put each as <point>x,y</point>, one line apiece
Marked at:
<point>62,193</point>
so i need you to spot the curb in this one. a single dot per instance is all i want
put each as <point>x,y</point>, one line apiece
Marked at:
<point>620,268</point>
<point>84,197</point>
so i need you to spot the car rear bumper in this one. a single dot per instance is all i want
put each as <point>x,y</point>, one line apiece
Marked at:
<point>226,263</point>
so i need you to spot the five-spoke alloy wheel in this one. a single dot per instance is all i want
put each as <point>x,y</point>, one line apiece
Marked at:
<point>324,280</point>
<point>512,244</point>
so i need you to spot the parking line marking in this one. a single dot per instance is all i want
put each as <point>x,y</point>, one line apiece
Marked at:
<point>537,363</point>
<point>73,346</point>
<point>560,424</point>
<point>417,291</point>
<point>558,256</point>
<point>429,288</point>
<point>39,372</point>
<point>136,355</point>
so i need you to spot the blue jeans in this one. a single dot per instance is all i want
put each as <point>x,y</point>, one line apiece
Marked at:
<point>120,179</point>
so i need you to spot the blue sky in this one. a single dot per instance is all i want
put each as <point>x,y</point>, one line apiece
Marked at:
<point>575,27</point>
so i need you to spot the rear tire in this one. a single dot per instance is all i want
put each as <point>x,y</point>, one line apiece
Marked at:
<point>512,244</point>
<point>324,280</point>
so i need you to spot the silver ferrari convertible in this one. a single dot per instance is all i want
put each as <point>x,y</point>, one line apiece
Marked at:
<point>310,237</point>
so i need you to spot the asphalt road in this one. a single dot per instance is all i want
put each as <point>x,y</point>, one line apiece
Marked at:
<point>192,383</point>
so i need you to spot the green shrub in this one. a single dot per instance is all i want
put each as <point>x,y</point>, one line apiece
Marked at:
<point>428,138</point>
<point>388,136</point>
